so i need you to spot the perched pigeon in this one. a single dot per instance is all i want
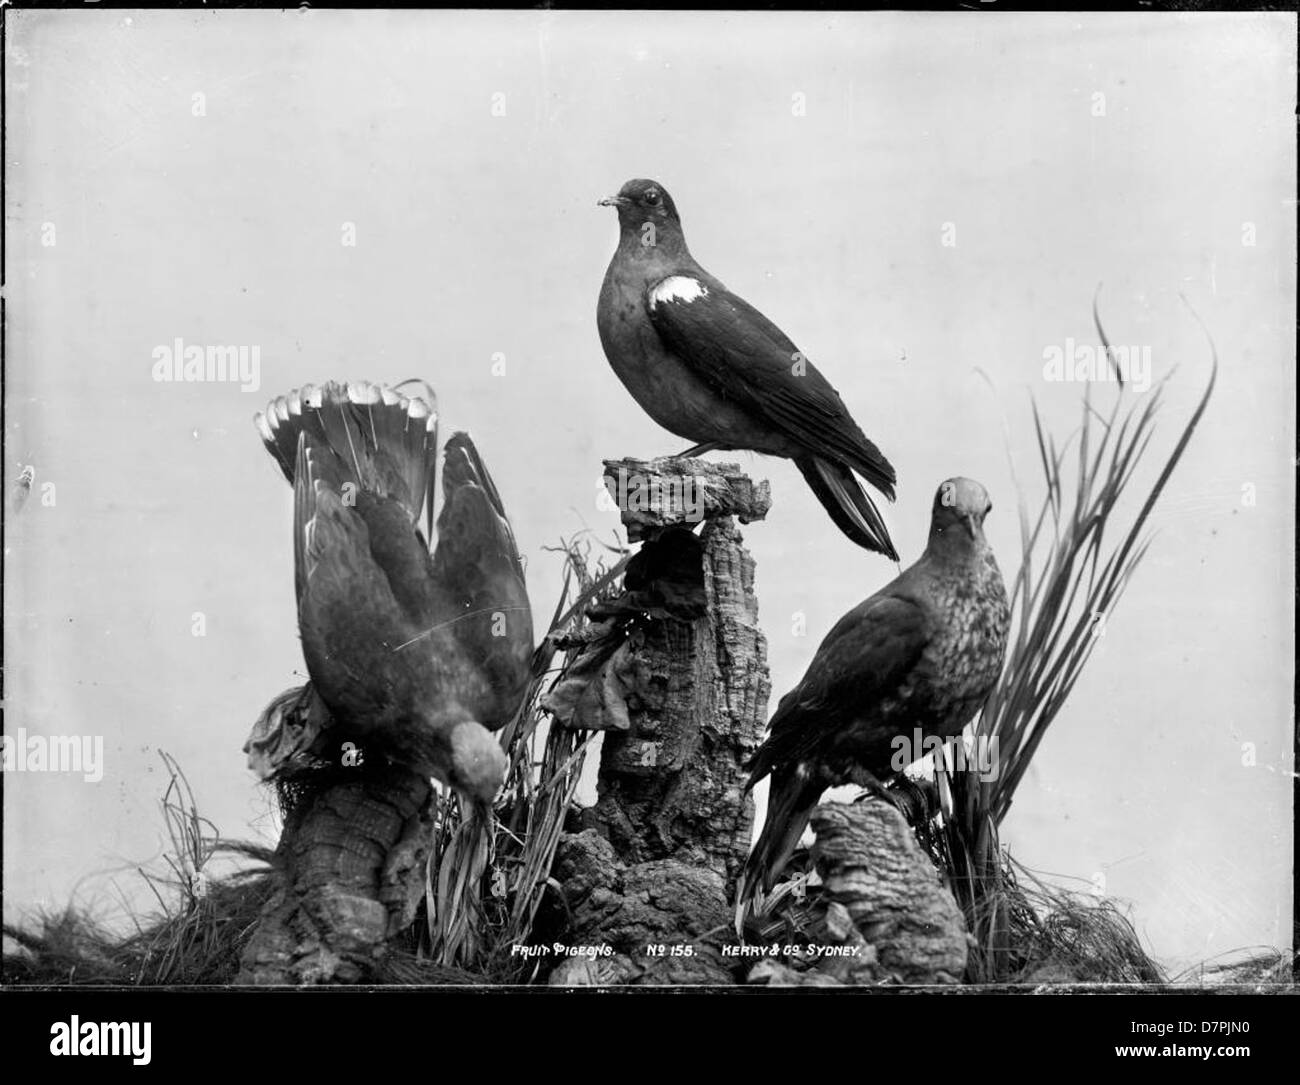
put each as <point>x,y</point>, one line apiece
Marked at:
<point>419,656</point>
<point>923,652</point>
<point>709,367</point>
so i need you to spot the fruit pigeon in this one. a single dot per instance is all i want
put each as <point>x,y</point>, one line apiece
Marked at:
<point>923,652</point>
<point>418,655</point>
<point>709,367</point>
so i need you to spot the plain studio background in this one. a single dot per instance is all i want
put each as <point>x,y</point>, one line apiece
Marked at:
<point>817,162</point>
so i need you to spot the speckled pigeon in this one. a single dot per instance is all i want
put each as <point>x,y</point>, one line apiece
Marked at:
<point>419,656</point>
<point>923,652</point>
<point>706,365</point>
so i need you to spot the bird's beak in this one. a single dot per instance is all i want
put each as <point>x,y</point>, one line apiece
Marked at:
<point>971,525</point>
<point>613,201</point>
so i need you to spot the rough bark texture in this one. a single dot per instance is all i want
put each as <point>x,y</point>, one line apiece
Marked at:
<point>654,494</point>
<point>884,914</point>
<point>647,914</point>
<point>349,869</point>
<point>672,784</point>
<point>677,677</point>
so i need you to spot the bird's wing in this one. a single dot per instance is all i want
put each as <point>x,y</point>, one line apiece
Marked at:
<point>748,359</point>
<point>864,659</point>
<point>478,567</point>
<point>351,622</point>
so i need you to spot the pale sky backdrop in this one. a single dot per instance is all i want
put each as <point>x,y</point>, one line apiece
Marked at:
<point>478,235</point>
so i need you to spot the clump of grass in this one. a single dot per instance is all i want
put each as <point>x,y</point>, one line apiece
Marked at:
<point>1078,554</point>
<point>487,875</point>
<point>1062,936</point>
<point>197,936</point>
<point>1263,970</point>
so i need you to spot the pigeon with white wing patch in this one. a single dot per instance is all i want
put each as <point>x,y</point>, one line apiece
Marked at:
<point>677,288</point>
<point>709,367</point>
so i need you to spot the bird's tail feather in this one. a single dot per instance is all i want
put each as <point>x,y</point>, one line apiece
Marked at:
<point>406,427</point>
<point>382,439</point>
<point>871,464</point>
<point>844,498</point>
<point>794,794</point>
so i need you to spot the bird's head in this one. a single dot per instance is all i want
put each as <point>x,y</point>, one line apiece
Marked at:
<point>478,765</point>
<point>645,208</point>
<point>960,505</point>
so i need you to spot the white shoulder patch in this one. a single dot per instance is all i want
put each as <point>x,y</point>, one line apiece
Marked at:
<point>678,288</point>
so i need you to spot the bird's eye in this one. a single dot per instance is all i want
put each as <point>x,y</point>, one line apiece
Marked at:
<point>652,196</point>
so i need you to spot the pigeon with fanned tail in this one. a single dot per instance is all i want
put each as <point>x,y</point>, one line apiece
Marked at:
<point>413,655</point>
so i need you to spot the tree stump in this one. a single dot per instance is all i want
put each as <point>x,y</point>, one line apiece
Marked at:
<point>350,871</point>
<point>882,914</point>
<point>672,784</point>
<point>675,673</point>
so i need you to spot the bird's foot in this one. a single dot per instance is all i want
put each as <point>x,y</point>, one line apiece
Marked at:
<point>698,450</point>
<point>876,790</point>
<point>863,778</point>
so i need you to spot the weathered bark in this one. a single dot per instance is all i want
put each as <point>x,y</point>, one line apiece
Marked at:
<point>654,494</point>
<point>882,915</point>
<point>675,672</point>
<point>672,784</point>
<point>653,919</point>
<point>350,871</point>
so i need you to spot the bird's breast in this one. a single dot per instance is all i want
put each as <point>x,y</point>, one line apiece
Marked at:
<point>964,658</point>
<point>665,387</point>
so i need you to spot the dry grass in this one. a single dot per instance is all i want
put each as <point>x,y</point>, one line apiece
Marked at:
<point>1078,554</point>
<point>1060,936</point>
<point>1266,969</point>
<point>197,935</point>
<point>487,875</point>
